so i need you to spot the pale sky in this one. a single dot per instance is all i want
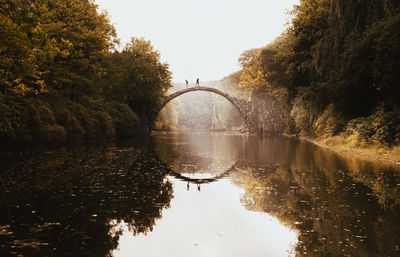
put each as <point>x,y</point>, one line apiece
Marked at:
<point>200,38</point>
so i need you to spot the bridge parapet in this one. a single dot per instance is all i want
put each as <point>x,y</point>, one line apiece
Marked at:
<point>252,112</point>
<point>241,105</point>
<point>235,101</point>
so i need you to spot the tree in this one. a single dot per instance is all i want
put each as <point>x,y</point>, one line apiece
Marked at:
<point>137,77</point>
<point>21,45</point>
<point>53,44</point>
<point>83,36</point>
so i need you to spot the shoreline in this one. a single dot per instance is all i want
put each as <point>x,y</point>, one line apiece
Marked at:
<point>353,152</point>
<point>358,152</point>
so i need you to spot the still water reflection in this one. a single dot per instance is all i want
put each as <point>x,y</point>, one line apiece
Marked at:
<point>199,194</point>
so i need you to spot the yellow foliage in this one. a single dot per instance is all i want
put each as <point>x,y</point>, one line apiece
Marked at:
<point>20,88</point>
<point>281,94</point>
<point>158,125</point>
<point>329,123</point>
<point>354,145</point>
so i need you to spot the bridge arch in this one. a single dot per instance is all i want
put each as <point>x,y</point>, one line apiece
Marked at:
<point>202,180</point>
<point>241,105</point>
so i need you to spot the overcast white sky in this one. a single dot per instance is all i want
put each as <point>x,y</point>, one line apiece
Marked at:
<point>200,38</point>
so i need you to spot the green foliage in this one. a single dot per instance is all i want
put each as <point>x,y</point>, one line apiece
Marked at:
<point>62,53</point>
<point>13,121</point>
<point>338,63</point>
<point>56,121</point>
<point>137,77</point>
<point>84,36</point>
<point>387,126</point>
<point>167,119</point>
<point>19,38</point>
<point>360,127</point>
<point>307,107</point>
<point>75,131</point>
<point>51,134</point>
<point>262,69</point>
<point>384,37</point>
<point>126,121</point>
<point>345,40</point>
<point>382,127</point>
<point>52,44</point>
<point>330,123</point>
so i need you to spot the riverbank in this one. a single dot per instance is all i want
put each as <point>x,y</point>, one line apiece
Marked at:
<point>55,121</point>
<point>352,146</point>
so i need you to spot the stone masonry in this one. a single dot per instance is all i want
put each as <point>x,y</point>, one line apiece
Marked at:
<point>261,114</point>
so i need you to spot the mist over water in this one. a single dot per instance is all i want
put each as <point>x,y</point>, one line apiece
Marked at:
<point>198,194</point>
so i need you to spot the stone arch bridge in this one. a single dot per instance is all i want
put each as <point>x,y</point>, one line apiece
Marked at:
<point>251,111</point>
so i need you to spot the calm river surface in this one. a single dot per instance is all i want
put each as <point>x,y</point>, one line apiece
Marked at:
<point>198,194</point>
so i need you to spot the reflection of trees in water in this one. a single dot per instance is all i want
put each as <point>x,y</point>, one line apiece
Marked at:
<point>336,213</point>
<point>339,214</point>
<point>66,204</point>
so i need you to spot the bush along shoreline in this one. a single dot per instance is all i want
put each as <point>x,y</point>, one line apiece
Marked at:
<point>51,121</point>
<point>336,73</point>
<point>65,77</point>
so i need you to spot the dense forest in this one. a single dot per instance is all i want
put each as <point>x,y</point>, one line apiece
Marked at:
<point>64,78</point>
<point>336,70</point>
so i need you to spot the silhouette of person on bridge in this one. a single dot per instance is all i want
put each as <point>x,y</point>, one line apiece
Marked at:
<point>197,82</point>
<point>187,83</point>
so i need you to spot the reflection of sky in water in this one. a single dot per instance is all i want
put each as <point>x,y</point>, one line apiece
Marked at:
<point>216,152</point>
<point>210,222</point>
<point>198,151</point>
<point>335,205</point>
<point>304,186</point>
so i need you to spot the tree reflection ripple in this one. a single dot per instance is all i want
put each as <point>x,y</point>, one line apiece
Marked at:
<point>69,203</point>
<point>339,205</point>
<point>277,196</point>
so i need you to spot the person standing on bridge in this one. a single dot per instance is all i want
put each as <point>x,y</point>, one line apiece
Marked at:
<point>197,82</point>
<point>187,83</point>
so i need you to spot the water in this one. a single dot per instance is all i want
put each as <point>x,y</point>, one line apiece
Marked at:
<point>198,194</point>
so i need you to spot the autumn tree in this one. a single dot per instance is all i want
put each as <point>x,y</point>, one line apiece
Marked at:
<point>83,36</point>
<point>137,77</point>
<point>52,44</point>
<point>337,66</point>
<point>22,43</point>
<point>62,76</point>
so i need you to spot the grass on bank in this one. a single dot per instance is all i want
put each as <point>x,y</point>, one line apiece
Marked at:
<point>353,145</point>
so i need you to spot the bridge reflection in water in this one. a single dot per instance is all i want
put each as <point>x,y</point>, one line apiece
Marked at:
<point>199,181</point>
<point>215,221</point>
<point>275,195</point>
<point>338,205</point>
<point>202,180</point>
